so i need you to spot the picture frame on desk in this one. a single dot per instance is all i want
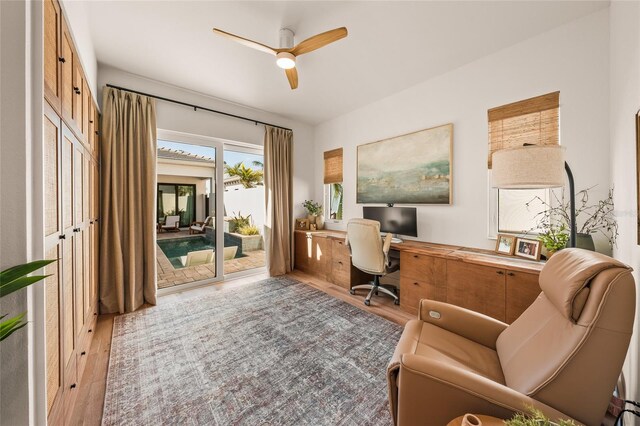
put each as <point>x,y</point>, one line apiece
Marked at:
<point>506,244</point>
<point>302,224</point>
<point>528,249</point>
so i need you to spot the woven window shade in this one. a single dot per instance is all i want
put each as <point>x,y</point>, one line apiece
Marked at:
<point>333,166</point>
<point>532,121</point>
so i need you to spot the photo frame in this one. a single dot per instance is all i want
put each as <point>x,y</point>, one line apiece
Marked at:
<point>313,227</point>
<point>528,249</point>
<point>302,224</point>
<point>506,244</point>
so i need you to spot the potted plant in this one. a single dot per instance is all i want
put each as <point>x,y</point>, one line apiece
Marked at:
<point>14,279</point>
<point>535,417</point>
<point>554,238</point>
<point>591,218</point>
<point>314,210</point>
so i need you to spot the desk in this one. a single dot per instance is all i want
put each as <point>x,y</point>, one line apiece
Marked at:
<point>482,280</point>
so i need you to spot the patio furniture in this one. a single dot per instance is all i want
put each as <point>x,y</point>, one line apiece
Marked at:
<point>171,224</point>
<point>198,227</point>
<point>198,257</point>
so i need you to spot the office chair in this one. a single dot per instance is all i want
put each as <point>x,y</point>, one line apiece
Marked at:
<point>563,355</point>
<point>370,255</point>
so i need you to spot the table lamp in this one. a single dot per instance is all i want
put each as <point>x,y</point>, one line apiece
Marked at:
<point>535,167</point>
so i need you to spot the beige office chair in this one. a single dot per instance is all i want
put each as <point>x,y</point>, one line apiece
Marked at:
<point>370,255</point>
<point>563,355</point>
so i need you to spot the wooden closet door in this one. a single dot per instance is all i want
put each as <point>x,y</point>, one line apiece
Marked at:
<point>52,53</point>
<point>78,90</point>
<point>66,73</point>
<point>53,245</point>
<point>78,238</point>
<point>85,231</point>
<point>87,101</point>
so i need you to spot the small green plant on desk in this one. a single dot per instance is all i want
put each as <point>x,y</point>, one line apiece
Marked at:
<point>554,238</point>
<point>313,208</point>
<point>14,279</point>
<point>535,418</point>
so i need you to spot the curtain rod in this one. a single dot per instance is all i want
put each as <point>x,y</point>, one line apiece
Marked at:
<point>197,107</point>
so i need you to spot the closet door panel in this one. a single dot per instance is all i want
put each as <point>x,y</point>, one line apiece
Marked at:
<point>67,69</point>
<point>52,52</point>
<point>53,330</point>
<point>52,134</point>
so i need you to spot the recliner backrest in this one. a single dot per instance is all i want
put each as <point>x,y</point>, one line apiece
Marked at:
<point>568,347</point>
<point>363,237</point>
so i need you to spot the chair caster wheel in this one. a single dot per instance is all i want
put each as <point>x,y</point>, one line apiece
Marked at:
<point>367,302</point>
<point>396,302</point>
<point>352,291</point>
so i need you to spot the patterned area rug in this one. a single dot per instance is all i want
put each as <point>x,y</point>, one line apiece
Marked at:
<point>274,352</point>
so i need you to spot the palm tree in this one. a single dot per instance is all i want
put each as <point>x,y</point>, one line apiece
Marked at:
<point>257,163</point>
<point>248,177</point>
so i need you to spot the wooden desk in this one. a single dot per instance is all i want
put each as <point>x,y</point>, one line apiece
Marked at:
<point>481,280</point>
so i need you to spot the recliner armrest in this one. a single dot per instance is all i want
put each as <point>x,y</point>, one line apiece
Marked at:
<point>424,382</point>
<point>464,322</point>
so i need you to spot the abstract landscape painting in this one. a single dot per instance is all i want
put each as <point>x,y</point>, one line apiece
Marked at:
<point>408,169</point>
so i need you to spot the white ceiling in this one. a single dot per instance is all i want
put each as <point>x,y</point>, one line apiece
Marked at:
<point>391,45</point>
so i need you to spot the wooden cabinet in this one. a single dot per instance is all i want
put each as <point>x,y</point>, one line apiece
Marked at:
<point>522,290</point>
<point>421,277</point>
<point>52,53</point>
<point>328,258</point>
<point>71,175</point>
<point>476,287</point>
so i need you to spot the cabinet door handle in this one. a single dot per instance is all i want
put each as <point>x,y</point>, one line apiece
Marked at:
<point>511,274</point>
<point>90,330</point>
<point>83,353</point>
<point>72,386</point>
<point>339,262</point>
<point>416,284</point>
<point>62,236</point>
<point>76,229</point>
<point>415,256</point>
<point>91,121</point>
<point>500,272</point>
<point>61,59</point>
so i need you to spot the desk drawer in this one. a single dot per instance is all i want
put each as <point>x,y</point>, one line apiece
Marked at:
<point>340,251</point>
<point>418,266</point>
<point>341,273</point>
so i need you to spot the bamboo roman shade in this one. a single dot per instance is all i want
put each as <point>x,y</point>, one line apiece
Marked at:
<point>333,166</point>
<point>532,121</point>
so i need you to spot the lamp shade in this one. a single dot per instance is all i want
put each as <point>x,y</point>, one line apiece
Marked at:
<point>528,167</point>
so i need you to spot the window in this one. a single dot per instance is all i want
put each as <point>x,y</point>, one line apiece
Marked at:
<point>531,121</point>
<point>333,193</point>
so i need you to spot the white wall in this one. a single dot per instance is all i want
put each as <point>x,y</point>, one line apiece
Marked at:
<point>246,201</point>
<point>183,119</point>
<point>77,19</point>
<point>572,58</point>
<point>22,357</point>
<point>625,102</point>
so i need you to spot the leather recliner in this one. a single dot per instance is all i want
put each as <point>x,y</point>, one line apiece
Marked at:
<point>563,355</point>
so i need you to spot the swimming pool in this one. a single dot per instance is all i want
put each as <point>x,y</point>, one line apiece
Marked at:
<point>176,247</point>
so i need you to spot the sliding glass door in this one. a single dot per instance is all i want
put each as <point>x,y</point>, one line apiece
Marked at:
<point>219,209</point>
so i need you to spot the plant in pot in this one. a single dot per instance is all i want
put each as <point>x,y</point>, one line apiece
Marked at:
<point>591,218</point>
<point>554,238</point>
<point>314,211</point>
<point>238,221</point>
<point>535,417</point>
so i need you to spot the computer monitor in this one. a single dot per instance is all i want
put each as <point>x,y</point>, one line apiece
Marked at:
<point>396,220</point>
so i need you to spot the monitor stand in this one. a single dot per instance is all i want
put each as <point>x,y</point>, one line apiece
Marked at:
<point>395,239</point>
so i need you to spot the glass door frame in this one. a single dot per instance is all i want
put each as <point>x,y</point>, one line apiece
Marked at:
<point>220,145</point>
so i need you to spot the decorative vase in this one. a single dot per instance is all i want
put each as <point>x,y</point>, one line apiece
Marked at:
<point>471,420</point>
<point>585,241</point>
<point>312,218</point>
<point>320,221</point>
<point>550,253</point>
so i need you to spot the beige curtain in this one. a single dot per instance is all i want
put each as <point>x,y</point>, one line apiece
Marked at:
<point>128,171</point>
<point>277,179</point>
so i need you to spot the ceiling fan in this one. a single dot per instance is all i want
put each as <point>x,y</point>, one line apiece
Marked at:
<point>287,53</point>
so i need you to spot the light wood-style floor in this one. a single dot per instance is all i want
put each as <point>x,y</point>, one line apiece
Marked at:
<point>88,407</point>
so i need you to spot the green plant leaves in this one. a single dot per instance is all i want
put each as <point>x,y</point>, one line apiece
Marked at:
<point>11,325</point>
<point>15,278</point>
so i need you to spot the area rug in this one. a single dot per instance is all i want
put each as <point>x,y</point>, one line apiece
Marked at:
<point>273,352</point>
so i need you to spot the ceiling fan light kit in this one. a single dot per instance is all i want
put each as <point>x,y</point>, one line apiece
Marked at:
<point>285,60</point>
<point>287,53</point>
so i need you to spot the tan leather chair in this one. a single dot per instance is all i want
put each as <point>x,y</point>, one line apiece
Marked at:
<point>563,355</point>
<point>371,255</point>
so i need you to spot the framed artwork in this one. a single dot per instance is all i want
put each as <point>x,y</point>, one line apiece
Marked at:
<point>302,224</point>
<point>638,169</point>
<point>529,249</point>
<point>506,244</point>
<point>408,169</point>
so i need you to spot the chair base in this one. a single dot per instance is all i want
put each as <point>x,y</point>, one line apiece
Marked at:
<point>375,287</point>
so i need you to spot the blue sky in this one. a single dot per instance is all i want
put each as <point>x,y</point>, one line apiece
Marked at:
<point>230,157</point>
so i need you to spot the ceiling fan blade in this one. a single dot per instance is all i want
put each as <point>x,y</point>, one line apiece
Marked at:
<point>292,76</point>
<point>318,41</point>
<point>245,41</point>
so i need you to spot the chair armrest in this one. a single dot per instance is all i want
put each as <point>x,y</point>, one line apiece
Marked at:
<point>464,322</point>
<point>452,391</point>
